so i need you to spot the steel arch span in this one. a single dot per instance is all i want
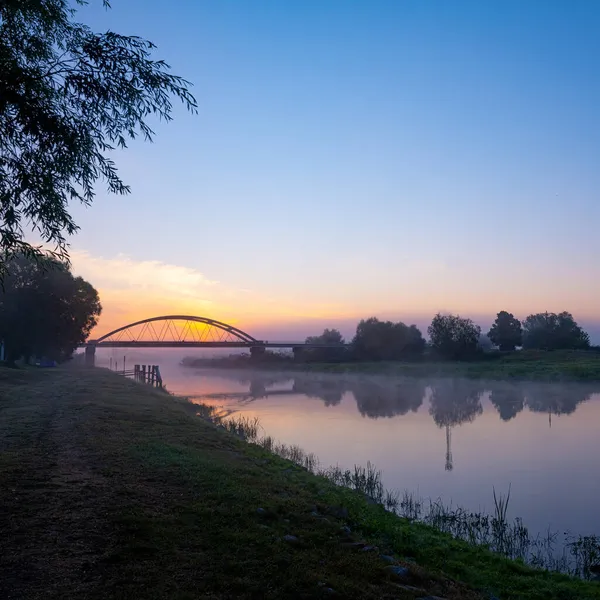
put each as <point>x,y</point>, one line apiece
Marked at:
<point>176,329</point>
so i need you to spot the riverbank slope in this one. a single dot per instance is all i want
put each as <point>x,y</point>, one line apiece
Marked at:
<point>111,489</point>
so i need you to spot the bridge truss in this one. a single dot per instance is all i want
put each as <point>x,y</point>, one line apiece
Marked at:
<point>176,330</point>
<point>185,331</point>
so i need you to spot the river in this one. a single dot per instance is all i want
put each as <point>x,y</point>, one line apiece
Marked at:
<point>451,439</point>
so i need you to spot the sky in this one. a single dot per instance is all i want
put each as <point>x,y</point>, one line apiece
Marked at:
<point>356,158</point>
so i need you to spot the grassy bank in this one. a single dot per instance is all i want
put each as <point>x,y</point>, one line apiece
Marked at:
<point>559,365</point>
<point>568,554</point>
<point>110,489</point>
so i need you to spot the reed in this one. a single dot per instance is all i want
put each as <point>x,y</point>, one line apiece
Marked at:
<point>576,555</point>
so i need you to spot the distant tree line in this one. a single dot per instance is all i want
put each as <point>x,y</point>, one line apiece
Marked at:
<point>451,337</point>
<point>45,311</point>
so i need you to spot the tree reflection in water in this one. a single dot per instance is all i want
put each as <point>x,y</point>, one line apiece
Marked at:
<point>555,399</point>
<point>328,390</point>
<point>508,399</point>
<point>391,399</point>
<point>454,402</point>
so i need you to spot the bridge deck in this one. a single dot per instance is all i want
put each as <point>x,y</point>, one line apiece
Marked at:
<point>240,344</point>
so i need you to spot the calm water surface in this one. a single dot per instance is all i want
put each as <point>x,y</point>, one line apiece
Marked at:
<point>452,439</point>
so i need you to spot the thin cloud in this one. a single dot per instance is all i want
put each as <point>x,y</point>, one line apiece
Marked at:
<point>131,290</point>
<point>148,276</point>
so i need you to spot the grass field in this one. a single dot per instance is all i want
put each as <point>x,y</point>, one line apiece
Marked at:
<point>110,489</point>
<point>559,365</point>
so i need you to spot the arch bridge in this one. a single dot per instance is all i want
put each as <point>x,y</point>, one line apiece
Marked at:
<point>185,331</point>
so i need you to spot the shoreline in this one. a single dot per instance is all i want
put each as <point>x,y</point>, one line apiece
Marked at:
<point>163,503</point>
<point>551,367</point>
<point>509,539</point>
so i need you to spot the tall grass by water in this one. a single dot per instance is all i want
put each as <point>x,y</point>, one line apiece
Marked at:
<point>573,555</point>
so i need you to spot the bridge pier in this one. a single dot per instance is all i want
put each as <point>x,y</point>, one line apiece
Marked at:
<point>257,352</point>
<point>299,353</point>
<point>90,355</point>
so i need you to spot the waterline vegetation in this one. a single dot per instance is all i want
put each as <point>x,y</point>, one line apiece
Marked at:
<point>104,475</point>
<point>576,556</point>
<point>523,365</point>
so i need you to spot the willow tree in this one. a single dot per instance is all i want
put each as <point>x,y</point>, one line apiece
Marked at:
<point>68,97</point>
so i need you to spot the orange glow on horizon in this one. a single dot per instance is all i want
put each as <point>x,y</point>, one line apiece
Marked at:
<point>124,307</point>
<point>134,290</point>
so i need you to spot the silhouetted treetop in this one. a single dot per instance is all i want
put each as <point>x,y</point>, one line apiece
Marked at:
<point>506,332</point>
<point>44,310</point>
<point>451,336</point>
<point>329,336</point>
<point>68,98</point>
<point>550,331</point>
<point>384,340</point>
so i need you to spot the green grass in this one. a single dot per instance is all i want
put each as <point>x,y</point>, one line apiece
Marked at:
<point>110,489</point>
<point>567,554</point>
<point>559,365</point>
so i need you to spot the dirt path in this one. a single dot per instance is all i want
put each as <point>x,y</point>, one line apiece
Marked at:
<point>53,497</point>
<point>110,490</point>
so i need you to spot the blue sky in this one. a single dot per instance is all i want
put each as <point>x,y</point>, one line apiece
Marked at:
<point>355,158</point>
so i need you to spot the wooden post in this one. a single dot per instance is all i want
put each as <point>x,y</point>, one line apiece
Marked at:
<point>144,373</point>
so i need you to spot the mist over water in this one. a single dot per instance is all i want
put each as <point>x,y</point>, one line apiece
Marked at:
<point>452,439</point>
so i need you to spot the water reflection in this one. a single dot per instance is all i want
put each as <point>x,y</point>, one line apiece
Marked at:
<point>452,402</point>
<point>328,390</point>
<point>508,399</point>
<point>487,435</point>
<point>376,400</point>
<point>555,399</point>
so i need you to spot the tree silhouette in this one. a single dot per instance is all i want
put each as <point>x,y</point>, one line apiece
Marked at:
<point>550,331</point>
<point>384,340</point>
<point>68,98</point>
<point>506,332</point>
<point>329,336</point>
<point>453,337</point>
<point>44,310</point>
